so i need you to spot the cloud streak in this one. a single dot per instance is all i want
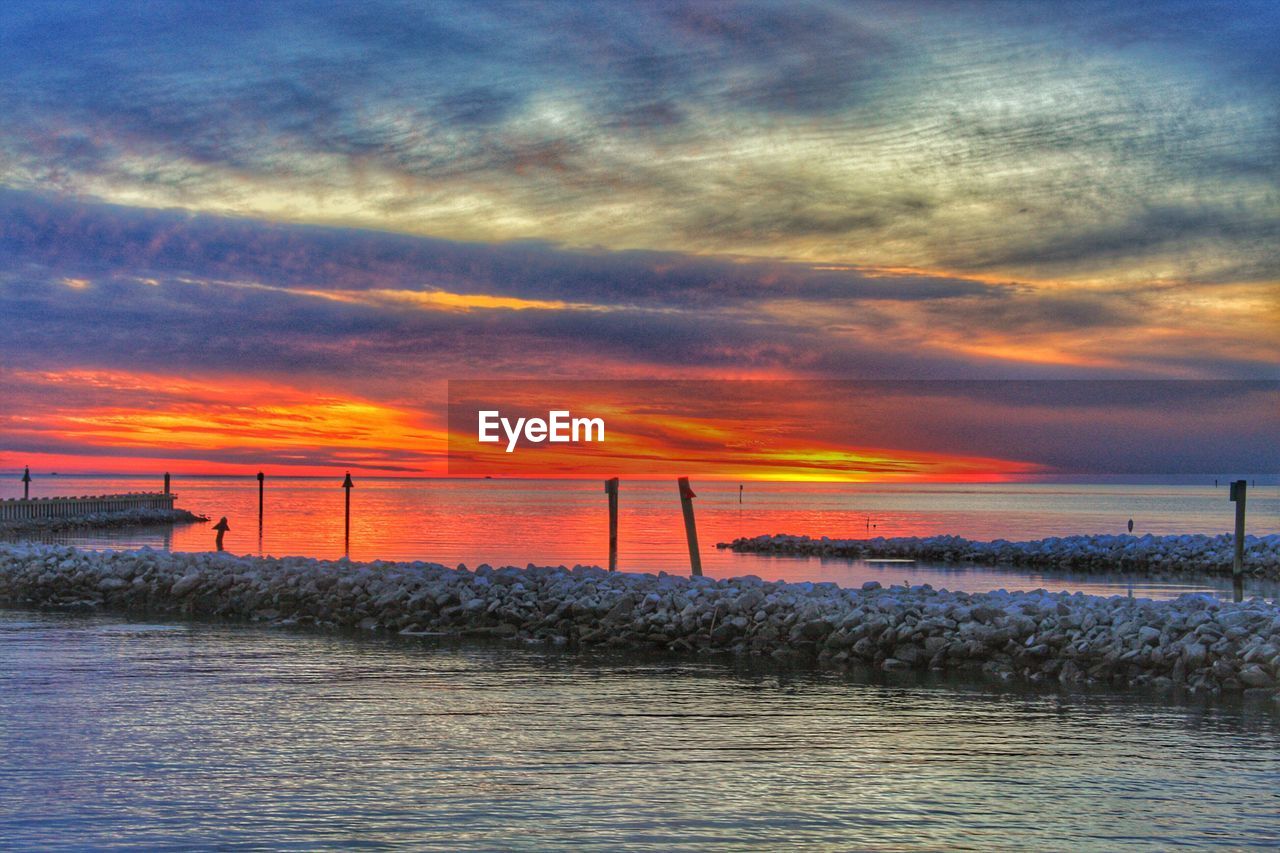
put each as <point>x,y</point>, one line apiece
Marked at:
<point>1141,145</point>
<point>356,203</point>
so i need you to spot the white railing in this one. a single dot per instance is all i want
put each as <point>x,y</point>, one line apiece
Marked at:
<point>25,509</point>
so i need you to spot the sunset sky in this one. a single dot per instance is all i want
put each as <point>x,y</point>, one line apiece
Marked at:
<point>236,237</point>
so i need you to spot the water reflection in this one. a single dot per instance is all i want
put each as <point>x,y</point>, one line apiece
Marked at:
<point>514,522</point>
<point>198,735</point>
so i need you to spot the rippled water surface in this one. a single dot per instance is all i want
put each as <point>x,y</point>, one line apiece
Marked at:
<point>121,733</point>
<point>515,522</point>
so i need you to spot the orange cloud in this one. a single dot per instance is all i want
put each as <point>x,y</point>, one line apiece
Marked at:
<point>664,429</point>
<point>118,421</point>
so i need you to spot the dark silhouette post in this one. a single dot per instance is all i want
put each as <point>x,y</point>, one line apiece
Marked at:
<point>26,483</point>
<point>222,527</point>
<point>611,489</point>
<point>1131,525</point>
<point>1238,495</point>
<point>166,482</point>
<point>348,485</point>
<point>690,529</point>
<point>739,493</point>
<point>261,477</point>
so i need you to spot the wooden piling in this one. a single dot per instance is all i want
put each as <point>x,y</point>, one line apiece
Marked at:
<point>690,529</point>
<point>346,538</point>
<point>611,489</point>
<point>26,484</point>
<point>1238,489</point>
<point>261,477</point>
<point>166,482</point>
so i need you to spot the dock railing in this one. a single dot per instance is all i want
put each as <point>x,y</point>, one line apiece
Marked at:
<point>26,509</point>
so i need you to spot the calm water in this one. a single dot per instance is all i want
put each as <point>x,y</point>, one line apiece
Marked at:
<point>122,733</point>
<point>514,522</point>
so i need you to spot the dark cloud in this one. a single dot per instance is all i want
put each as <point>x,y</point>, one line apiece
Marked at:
<point>1113,131</point>
<point>169,289</point>
<point>1208,226</point>
<point>103,239</point>
<point>166,291</point>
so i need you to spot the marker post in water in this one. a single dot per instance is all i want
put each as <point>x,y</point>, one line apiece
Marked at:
<point>1237,564</point>
<point>346,536</point>
<point>261,477</point>
<point>611,489</point>
<point>690,529</point>
<point>1238,489</point>
<point>26,483</point>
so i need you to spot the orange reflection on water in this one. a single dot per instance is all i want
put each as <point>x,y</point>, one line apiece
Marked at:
<point>565,522</point>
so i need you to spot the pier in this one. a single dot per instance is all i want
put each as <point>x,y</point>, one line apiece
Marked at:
<point>32,509</point>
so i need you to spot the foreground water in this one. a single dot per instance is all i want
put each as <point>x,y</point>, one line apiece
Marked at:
<point>559,522</point>
<point>119,732</point>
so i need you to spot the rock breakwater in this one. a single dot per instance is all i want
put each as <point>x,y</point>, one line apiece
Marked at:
<point>1193,642</point>
<point>125,518</point>
<point>1188,554</point>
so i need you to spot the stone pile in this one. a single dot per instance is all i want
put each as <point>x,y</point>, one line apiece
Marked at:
<point>1190,554</point>
<point>1194,642</point>
<point>124,518</point>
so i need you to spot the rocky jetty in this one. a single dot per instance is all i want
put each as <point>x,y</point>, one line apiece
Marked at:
<point>1192,554</point>
<point>1194,642</point>
<point>125,518</point>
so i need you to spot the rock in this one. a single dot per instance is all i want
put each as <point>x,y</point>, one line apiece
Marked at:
<point>1194,654</point>
<point>815,629</point>
<point>1255,676</point>
<point>1182,554</point>
<point>185,585</point>
<point>623,607</point>
<point>724,632</point>
<point>1192,642</point>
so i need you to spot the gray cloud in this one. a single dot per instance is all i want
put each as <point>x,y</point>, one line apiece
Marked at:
<point>1091,136</point>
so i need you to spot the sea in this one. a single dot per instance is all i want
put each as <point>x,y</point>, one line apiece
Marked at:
<point>565,522</point>
<point>123,733</point>
<point>128,732</point>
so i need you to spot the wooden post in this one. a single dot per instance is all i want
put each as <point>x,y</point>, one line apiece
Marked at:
<point>1238,495</point>
<point>261,477</point>
<point>348,485</point>
<point>611,489</point>
<point>26,484</point>
<point>690,529</point>
<point>166,482</point>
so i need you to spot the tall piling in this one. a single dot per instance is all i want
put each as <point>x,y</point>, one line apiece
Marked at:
<point>1238,489</point>
<point>690,529</point>
<point>611,489</point>
<point>347,486</point>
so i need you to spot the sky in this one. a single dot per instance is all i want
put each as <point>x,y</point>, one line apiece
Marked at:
<point>242,236</point>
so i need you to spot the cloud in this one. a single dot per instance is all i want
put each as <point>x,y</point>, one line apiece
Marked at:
<point>836,429</point>
<point>1124,144</point>
<point>159,290</point>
